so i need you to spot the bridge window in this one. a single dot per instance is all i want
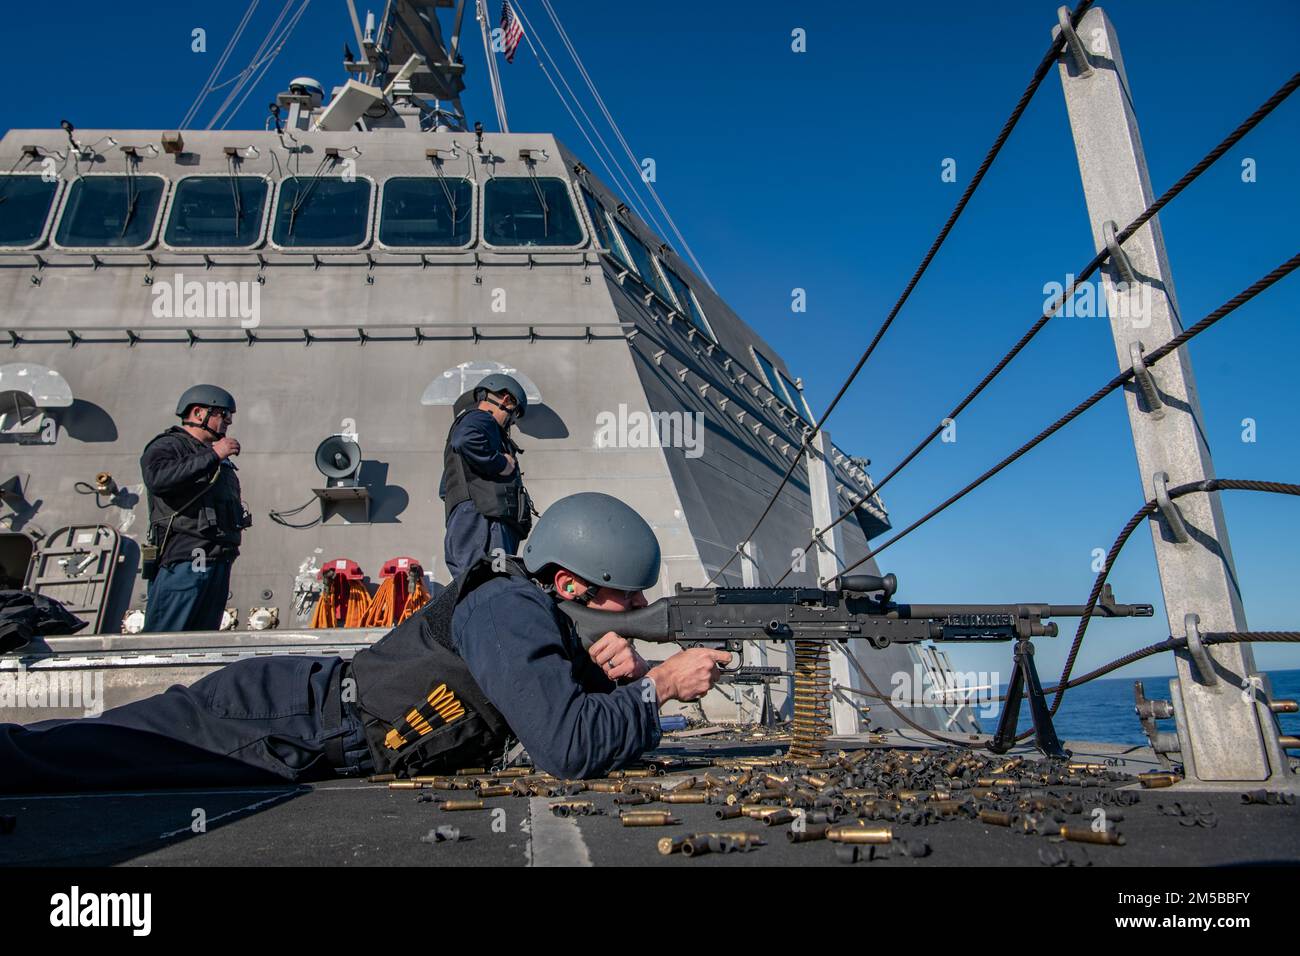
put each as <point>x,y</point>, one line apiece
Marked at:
<point>426,211</point>
<point>110,212</point>
<point>225,211</point>
<point>797,403</point>
<point>529,211</point>
<point>686,300</point>
<point>321,211</point>
<point>604,233</point>
<point>642,262</point>
<point>769,374</point>
<point>25,203</point>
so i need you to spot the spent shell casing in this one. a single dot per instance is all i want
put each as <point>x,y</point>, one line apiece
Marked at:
<point>1156,781</point>
<point>405,785</point>
<point>809,833</point>
<point>604,786</point>
<point>848,833</point>
<point>632,799</point>
<point>381,777</point>
<point>997,818</point>
<point>496,790</point>
<point>471,771</point>
<point>453,805</point>
<point>647,818</point>
<point>670,845</point>
<point>691,796</point>
<point>695,845</point>
<point>1104,837</point>
<point>437,783</point>
<point>729,812</point>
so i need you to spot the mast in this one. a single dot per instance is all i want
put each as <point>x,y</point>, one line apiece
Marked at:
<point>410,28</point>
<point>494,77</point>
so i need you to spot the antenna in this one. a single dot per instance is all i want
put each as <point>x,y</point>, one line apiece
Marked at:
<point>409,52</point>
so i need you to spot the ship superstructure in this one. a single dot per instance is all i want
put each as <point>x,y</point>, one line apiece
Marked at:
<point>353,270</point>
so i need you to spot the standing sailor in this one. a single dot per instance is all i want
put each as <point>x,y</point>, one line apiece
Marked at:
<point>487,505</point>
<point>196,515</point>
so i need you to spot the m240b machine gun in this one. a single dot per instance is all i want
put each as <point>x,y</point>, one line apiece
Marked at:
<point>861,608</point>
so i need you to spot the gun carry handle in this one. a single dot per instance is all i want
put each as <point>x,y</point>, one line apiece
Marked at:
<point>648,623</point>
<point>866,583</point>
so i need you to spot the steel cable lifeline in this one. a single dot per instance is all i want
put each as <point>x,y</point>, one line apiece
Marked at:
<point>1177,644</point>
<point>1190,176</point>
<point>1169,644</point>
<point>1206,485</point>
<point>1040,73</point>
<point>1119,380</point>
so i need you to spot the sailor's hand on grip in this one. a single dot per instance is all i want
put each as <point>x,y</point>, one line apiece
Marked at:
<point>617,658</point>
<point>225,447</point>
<point>688,675</point>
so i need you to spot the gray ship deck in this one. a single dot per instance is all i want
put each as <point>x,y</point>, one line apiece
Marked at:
<point>358,823</point>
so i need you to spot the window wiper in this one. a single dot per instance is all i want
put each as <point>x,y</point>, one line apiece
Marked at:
<point>132,203</point>
<point>234,194</point>
<point>299,199</point>
<point>541,198</point>
<point>446,191</point>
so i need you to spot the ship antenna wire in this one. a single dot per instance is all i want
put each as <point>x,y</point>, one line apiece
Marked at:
<point>616,173</point>
<point>1044,66</point>
<point>218,67</point>
<point>618,133</point>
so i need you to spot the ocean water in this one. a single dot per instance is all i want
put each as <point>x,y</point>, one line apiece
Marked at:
<point>1102,710</point>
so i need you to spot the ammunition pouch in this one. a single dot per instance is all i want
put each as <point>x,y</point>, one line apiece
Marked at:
<point>420,706</point>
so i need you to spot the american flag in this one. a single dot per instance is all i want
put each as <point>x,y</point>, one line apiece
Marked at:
<point>512,31</point>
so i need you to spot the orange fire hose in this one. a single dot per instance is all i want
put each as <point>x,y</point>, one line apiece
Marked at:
<point>342,603</point>
<point>398,597</point>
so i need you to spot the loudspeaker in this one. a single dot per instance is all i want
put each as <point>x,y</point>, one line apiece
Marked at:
<point>338,458</point>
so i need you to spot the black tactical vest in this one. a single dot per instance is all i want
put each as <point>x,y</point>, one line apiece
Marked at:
<point>504,499</point>
<point>422,710</point>
<point>211,515</point>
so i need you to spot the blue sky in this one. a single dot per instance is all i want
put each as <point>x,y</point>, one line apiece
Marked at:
<point>821,170</point>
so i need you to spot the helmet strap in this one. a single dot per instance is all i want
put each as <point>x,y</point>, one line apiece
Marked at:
<point>207,417</point>
<point>511,413</point>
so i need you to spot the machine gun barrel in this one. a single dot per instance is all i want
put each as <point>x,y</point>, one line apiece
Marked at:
<point>725,616</point>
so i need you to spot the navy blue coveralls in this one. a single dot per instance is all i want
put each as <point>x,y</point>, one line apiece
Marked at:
<point>277,719</point>
<point>476,437</point>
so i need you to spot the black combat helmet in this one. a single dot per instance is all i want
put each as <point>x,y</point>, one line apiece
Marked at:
<point>598,538</point>
<point>209,396</point>
<point>498,383</point>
